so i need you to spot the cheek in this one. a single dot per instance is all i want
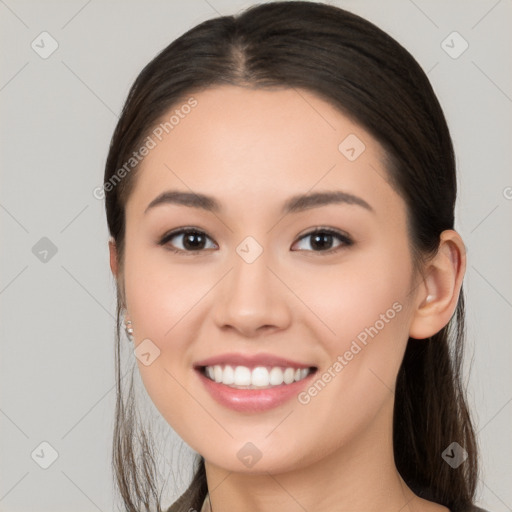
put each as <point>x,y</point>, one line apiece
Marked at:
<point>160,299</point>
<point>159,294</point>
<point>366,304</point>
<point>361,318</point>
<point>346,300</point>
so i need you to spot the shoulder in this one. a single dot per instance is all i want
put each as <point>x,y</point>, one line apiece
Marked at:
<point>426,494</point>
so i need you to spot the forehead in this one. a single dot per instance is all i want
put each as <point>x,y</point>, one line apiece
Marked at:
<point>250,146</point>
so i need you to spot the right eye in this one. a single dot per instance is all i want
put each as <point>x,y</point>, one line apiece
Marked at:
<point>191,239</point>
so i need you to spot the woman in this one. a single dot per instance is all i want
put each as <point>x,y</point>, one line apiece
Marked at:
<point>280,194</point>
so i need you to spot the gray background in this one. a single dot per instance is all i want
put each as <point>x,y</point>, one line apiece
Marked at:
<point>57,324</point>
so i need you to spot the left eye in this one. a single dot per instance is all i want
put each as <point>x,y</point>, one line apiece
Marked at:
<point>322,240</point>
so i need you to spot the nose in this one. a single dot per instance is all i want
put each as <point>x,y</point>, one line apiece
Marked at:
<point>252,299</point>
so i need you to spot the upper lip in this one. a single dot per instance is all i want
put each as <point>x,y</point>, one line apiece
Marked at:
<point>250,360</point>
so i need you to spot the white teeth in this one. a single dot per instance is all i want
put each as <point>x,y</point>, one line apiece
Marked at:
<point>276,376</point>
<point>258,377</point>
<point>289,375</point>
<point>228,375</point>
<point>242,375</point>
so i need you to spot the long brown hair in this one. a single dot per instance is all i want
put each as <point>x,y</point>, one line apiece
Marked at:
<point>367,75</point>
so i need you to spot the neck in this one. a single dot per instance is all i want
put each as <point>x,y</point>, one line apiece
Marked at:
<point>360,475</point>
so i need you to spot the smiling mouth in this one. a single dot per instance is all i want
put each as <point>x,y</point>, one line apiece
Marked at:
<point>259,377</point>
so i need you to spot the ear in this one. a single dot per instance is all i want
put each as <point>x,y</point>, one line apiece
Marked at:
<point>113,257</point>
<point>438,294</point>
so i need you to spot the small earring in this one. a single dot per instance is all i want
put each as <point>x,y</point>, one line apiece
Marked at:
<point>429,298</point>
<point>129,329</point>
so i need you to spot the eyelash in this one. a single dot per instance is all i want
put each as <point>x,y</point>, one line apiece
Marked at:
<point>344,238</point>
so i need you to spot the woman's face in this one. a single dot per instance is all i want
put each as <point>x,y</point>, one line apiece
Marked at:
<point>252,287</point>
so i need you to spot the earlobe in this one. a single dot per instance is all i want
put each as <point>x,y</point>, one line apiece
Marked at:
<point>113,257</point>
<point>439,292</point>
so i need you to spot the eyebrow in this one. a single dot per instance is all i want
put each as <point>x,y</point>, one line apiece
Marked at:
<point>294,204</point>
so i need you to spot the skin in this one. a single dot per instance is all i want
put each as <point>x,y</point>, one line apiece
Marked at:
<point>251,150</point>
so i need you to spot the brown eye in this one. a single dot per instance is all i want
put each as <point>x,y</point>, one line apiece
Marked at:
<point>321,240</point>
<point>190,240</point>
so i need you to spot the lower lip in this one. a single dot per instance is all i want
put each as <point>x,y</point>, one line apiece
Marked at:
<point>253,400</point>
